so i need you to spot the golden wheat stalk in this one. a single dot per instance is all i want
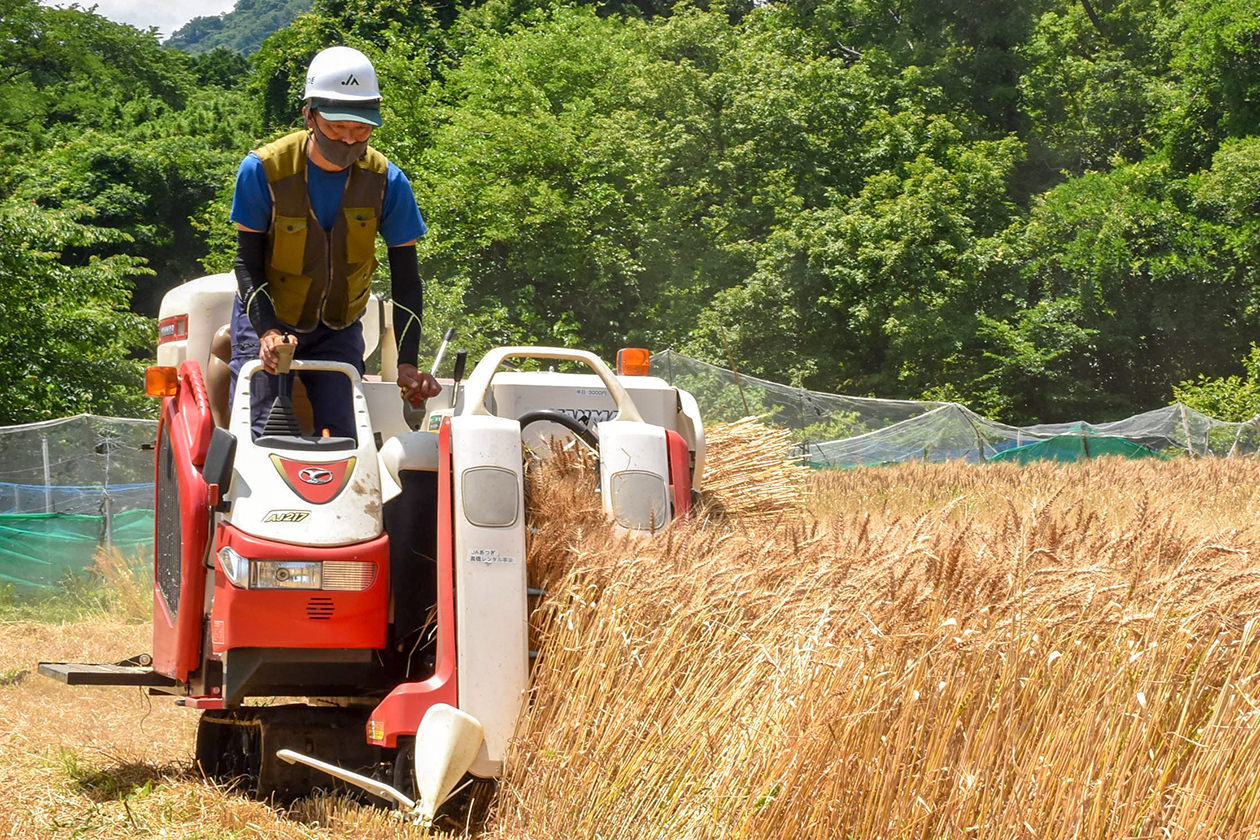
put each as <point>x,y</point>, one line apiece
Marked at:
<point>952,651</point>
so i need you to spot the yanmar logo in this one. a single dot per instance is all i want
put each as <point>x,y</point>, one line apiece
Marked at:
<point>318,484</point>
<point>589,416</point>
<point>315,475</point>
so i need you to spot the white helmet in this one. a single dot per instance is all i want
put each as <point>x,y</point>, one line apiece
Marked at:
<point>342,74</point>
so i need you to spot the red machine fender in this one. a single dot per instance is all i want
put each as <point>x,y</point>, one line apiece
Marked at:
<point>401,710</point>
<point>192,403</point>
<point>182,525</point>
<point>679,473</point>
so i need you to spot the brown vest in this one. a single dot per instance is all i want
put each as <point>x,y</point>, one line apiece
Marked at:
<point>315,276</point>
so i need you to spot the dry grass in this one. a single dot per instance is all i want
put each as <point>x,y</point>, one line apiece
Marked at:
<point>129,581</point>
<point>912,652</point>
<point>112,763</point>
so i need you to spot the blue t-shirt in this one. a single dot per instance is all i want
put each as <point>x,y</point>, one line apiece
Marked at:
<point>400,217</point>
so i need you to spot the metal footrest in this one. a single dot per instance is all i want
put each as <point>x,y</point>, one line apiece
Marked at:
<point>135,671</point>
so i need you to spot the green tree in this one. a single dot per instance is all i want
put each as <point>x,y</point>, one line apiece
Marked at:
<point>68,343</point>
<point>878,293</point>
<point>110,144</point>
<point>1117,289</point>
<point>603,179</point>
<point>1216,65</point>
<point>64,70</point>
<point>147,191</point>
<point>220,67</point>
<point>1234,398</point>
<point>147,182</point>
<point>1089,93</point>
<point>533,180</point>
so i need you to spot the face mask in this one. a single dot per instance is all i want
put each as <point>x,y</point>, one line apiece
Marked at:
<point>339,154</point>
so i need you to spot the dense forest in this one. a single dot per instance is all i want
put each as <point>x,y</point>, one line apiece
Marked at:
<point>1045,209</point>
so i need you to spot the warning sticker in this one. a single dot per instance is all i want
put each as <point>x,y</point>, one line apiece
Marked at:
<point>489,556</point>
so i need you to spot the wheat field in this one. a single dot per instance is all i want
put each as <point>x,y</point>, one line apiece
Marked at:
<point>923,651</point>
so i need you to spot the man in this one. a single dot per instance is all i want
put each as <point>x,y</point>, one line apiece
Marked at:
<point>308,208</point>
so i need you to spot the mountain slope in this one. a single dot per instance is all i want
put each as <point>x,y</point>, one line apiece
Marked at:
<point>243,29</point>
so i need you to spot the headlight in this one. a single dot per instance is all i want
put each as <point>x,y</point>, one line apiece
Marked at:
<point>334,575</point>
<point>285,574</point>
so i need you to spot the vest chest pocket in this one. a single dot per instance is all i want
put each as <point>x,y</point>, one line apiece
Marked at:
<point>288,244</point>
<point>360,234</point>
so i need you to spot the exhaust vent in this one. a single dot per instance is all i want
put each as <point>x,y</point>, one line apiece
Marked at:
<point>319,609</point>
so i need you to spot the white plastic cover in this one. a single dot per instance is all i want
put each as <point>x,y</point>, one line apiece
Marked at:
<point>491,610</point>
<point>634,474</point>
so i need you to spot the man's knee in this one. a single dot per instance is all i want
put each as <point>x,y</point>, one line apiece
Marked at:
<point>332,404</point>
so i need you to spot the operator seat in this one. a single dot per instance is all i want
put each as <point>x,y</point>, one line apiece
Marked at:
<point>218,375</point>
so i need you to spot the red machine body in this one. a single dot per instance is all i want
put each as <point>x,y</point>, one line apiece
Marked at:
<point>396,715</point>
<point>362,583</point>
<point>301,619</point>
<point>183,525</point>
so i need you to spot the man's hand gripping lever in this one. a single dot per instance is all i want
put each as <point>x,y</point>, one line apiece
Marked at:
<point>417,386</point>
<point>281,420</point>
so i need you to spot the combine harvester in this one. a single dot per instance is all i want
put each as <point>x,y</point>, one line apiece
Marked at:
<point>377,582</point>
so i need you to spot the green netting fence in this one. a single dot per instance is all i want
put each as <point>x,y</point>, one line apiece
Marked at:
<point>835,430</point>
<point>1075,447</point>
<point>39,551</point>
<point>69,487</point>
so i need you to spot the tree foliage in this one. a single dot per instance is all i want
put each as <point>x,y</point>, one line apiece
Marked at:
<point>67,337</point>
<point>1049,209</point>
<point>63,70</point>
<point>110,144</point>
<point>1017,205</point>
<point>1234,398</point>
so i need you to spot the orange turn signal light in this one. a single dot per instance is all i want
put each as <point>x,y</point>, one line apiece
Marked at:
<point>634,361</point>
<point>161,381</point>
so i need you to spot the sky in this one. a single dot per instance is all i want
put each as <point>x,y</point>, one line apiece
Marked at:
<point>166,15</point>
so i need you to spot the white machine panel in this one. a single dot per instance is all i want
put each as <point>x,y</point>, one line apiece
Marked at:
<point>207,302</point>
<point>582,396</point>
<point>634,475</point>
<point>490,581</point>
<point>272,506</point>
<point>385,405</point>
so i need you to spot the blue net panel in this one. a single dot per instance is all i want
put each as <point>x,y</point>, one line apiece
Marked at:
<point>92,499</point>
<point>68,488</point>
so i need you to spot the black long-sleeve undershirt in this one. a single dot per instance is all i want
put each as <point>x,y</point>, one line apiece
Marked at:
<point>251,280</point>
<point>404,275</point>
<point>404,271</point>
